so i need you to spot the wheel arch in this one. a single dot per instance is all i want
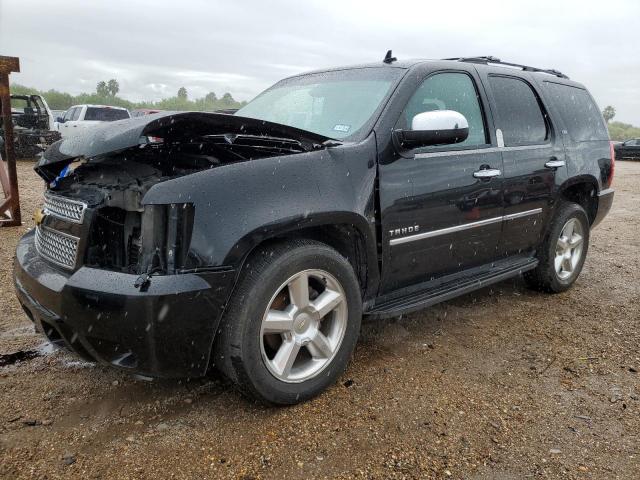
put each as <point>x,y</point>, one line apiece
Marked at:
<point>346,232</point>
<point>583,190</point>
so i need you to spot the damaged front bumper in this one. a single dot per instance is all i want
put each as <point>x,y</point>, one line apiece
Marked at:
<point>165,331</point>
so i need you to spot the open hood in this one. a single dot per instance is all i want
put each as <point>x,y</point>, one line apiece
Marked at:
<point>113,137</point>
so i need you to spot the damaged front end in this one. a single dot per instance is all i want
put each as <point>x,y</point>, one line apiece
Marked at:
<point>114,278</point>
<point>107,172</point>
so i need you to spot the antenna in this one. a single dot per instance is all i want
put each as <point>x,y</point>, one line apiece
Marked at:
<point>389,58</point>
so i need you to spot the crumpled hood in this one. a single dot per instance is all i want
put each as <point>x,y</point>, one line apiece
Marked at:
<point>113,137</point>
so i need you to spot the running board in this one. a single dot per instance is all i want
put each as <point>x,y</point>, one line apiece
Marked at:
<point>426,298</point>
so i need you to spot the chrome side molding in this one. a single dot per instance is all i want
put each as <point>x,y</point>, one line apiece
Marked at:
<point>464,226</point>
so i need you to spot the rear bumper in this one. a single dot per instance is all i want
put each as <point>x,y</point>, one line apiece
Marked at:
<point>166,331</point>
<point>605,200</point>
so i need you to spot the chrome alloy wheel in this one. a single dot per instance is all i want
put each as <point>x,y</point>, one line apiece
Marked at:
<point>303,326</point>
<point>569,248</point>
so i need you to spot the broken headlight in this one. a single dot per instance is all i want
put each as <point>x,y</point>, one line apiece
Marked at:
<point>165,238</point>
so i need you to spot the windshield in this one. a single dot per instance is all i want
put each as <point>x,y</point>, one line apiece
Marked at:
<point>105,114</point>
<point>336,104</point>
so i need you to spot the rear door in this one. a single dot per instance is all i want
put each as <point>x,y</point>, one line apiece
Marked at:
<point>533,158</point>
<point>438,216</point>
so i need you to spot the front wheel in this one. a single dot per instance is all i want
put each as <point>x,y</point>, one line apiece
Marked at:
<point>563,252</point>
<point>292,323</point>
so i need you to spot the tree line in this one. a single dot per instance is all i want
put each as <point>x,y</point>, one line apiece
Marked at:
<point>107,94</point>
<point>618,130</point>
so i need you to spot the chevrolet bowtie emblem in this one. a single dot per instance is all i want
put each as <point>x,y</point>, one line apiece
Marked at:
<point>38,216</point>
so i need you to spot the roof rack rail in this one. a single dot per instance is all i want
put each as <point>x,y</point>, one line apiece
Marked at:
<point>494,60</point>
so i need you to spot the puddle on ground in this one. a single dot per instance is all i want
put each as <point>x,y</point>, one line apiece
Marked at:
<point>7,359</point>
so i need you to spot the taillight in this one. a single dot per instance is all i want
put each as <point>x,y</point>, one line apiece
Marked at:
<point>613,164</point>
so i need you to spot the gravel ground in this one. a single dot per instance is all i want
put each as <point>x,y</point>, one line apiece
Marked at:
<point>504,383</point>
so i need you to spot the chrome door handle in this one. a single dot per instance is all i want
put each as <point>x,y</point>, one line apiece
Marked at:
<point>554,164</point>
<point>487,173</point>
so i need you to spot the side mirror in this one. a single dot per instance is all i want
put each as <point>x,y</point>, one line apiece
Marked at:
<point>60,120</point>
<point>439,127</point>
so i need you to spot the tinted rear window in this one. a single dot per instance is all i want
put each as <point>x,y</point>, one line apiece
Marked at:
<point>105,114</point>
<point>579,112</point>
<point>519,115</point>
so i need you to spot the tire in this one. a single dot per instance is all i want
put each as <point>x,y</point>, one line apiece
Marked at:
<point>553,275</point>
<point>252,351</point>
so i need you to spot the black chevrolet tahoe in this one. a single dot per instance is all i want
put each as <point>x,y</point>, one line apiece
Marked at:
<point>255,242</point>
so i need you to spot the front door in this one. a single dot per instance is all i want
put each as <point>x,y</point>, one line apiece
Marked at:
<point>70,122</point>
<point>441,207</point>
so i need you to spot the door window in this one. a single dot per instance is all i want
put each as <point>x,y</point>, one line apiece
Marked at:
<point>69,114</point>
<point>448,91</point>
<point>518,112</point>
<point>76,113</point>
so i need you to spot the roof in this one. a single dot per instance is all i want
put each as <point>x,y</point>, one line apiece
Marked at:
<point>97,106</point>
<point>486,61</point>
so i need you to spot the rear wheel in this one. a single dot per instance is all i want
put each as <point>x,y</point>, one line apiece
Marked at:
<point>563,252</point>
<point>292,324</point>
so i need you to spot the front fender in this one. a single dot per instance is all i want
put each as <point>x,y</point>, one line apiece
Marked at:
<point>237,206</point>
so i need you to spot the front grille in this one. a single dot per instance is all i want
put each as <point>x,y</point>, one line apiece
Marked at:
<point>64,208</point>
<point>57,247</point>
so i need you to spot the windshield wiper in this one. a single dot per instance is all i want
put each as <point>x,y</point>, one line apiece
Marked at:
<point>331,143</point>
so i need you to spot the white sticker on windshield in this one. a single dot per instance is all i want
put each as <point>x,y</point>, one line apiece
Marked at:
<point>342,128</point>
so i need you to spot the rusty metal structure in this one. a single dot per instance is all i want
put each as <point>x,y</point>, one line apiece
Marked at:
<point>10,205</point>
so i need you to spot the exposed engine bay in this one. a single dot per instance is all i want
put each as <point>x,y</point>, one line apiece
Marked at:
<point>119,232</point>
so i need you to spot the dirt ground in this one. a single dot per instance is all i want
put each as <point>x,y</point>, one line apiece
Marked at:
<point>505,383</point>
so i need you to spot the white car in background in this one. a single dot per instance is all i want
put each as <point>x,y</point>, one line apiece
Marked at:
<point>81,117</point>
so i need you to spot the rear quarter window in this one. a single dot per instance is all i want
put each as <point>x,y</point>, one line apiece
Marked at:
<point>579,112</point>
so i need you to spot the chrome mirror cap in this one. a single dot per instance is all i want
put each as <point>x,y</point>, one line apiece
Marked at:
<point>439,120</point>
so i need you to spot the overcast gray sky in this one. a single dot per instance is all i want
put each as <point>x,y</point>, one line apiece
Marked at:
<point>155,47</point>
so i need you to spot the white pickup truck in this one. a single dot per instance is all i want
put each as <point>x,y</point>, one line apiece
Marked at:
<point>80,117</point>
